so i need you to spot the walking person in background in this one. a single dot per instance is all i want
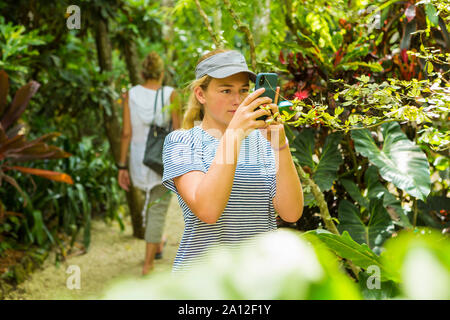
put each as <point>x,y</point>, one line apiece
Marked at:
<point>138,114</point>
<point>229,178</point>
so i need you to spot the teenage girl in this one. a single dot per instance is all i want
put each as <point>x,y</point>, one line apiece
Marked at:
<point>230,179</point>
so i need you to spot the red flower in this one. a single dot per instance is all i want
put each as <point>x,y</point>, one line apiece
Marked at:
<point>300,95</point>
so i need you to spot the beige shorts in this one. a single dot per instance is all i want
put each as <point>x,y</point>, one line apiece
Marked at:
<point>157,207</point>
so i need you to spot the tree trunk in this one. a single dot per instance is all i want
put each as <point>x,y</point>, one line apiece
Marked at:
<point>169,49</point>
<point>132,61</point>
<point>111,122</point>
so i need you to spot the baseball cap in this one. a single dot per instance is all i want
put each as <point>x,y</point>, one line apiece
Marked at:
<point>222,65</point>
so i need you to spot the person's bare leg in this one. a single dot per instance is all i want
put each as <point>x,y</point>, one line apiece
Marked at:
<point>161,244</point>
<point>150,251</point>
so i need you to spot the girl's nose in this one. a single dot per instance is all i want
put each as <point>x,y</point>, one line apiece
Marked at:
<point>237,99</point>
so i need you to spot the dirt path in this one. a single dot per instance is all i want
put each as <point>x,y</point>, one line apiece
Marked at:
<point>112,256</point>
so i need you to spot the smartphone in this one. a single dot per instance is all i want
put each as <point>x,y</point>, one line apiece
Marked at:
<point>268,81</point>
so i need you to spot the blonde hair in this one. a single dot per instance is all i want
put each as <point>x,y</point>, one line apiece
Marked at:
<point>195,110</point>
<point>153,66</point>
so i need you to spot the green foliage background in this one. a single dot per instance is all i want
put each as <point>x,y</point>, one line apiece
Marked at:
<point>368,128</point>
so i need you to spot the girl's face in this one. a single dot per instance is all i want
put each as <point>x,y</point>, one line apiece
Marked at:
<point>223,97</point>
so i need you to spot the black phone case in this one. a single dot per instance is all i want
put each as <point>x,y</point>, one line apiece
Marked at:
<point>269,82</point>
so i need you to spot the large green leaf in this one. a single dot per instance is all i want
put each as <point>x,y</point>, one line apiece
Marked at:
<point>38,227</point>
<point>431,13</point>
<point>400,161</point>
<point>378,228</point>
<point>375,190</point>
<point>355,192</point>
<point>345,247</point>
<point>324,173</point>
<point>304,148</point>
<point>387,289</point>
<point>330,160</point>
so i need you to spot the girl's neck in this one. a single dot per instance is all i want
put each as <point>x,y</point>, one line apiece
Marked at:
<point>152,84</point>
<point>213,128</point>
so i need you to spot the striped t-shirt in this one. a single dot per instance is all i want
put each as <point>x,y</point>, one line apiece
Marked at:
<point>249,210</point>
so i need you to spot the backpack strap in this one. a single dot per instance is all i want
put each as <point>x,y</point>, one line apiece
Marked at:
<point>154,106</point>
<point>162,102</point>
<point>162,106</point>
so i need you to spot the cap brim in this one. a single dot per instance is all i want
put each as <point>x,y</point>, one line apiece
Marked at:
<point>229,71</point>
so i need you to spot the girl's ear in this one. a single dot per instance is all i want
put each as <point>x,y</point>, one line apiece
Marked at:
<point>200,94</point>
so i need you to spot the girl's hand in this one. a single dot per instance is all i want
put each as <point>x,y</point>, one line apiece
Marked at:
<point>274,131</point>
<point>124,179</point>
<point>244,119</point>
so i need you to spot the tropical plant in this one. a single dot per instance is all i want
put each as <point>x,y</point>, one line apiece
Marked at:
<point>15,148</point>
<point>368,125</point>
<point>17,49</point>
<point>402,270</point>
<point>291,267</point>
<point>297,266</point>
<point>359,104</point>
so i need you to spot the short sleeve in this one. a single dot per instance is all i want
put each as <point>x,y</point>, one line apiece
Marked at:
<point>180,155</point>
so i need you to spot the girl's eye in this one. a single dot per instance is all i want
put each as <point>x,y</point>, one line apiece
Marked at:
<point>228,91</point>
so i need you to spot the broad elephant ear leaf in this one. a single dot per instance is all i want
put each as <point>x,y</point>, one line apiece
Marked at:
<point>375,232</point>
<point>400,161</point>
<point>324,173</point>
<point>330,160</point>
<point>345,247</point>
<point>375,190</point>
<point>354,192</point>
<point>304,148</point>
